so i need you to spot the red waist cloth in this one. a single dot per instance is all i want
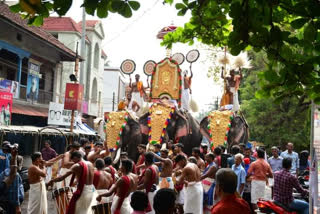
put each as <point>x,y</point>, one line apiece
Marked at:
<point>126,186</point>
<point>76,195</point>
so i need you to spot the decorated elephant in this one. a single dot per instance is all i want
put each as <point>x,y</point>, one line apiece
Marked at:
<point>165,122</point>
<point>224,128</point>
<point>123,134</point>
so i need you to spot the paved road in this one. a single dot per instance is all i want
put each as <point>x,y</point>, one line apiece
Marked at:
<point>51,203</point>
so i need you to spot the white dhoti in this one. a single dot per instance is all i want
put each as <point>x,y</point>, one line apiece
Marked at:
<point>66,181</point>
<point>135,96</point>
<point>86,200</point>
<point>150,198</point>
<point>104,199</point>
<point>125,208</point>
<point>257,190</point>
<point>166,183</point>
<point>38,199</point>
<point>185,99</point>
<point>193,200</point>
<point>236,105</point>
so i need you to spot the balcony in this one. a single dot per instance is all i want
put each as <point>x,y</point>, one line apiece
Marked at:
<point>44,97</point>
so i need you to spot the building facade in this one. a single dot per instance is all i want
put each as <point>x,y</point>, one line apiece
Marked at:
<point>67,31</point>
<point>113,88</point>
<point>30,57</point>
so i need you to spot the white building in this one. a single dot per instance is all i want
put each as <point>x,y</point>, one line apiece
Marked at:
<point>113,88</point>
<point>67,31</point>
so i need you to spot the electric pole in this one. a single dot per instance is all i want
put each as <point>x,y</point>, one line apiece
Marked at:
<point>113,101</point>
<point>83,45</point>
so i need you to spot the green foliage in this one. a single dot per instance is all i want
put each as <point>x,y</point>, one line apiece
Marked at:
<point>36,10</point>
<point>270,121</point>
<point>287,31</point>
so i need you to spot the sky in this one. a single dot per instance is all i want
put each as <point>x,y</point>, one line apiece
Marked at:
<point>135,38</point>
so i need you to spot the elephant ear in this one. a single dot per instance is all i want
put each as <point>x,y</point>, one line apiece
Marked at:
<point>143,121</point>
<point>204,128</point>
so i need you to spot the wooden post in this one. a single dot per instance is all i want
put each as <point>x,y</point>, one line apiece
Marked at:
<point>76,68</point>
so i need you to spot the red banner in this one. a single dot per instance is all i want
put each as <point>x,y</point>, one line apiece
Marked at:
<point>6,108</point>
<point>73,96</point>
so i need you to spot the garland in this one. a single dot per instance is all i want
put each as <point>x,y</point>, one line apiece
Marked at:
<point>180,77</point>
<point>155,107</point>
<point>215,119</point>
<point>116,118</point>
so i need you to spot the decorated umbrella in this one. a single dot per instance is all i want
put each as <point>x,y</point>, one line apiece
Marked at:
<point>164,31</point>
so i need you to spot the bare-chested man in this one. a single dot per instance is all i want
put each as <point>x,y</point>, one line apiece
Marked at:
<point>137,94</point>
<point>185,97</point>
<point>193,196</point>
<point>109,168</point>
<point>233,83</point>
<point>149,180</point>
<point>84,197</point>
<point>36,175</point>
<point>102,180</point>
<point>200,163</point>
<point>208,182</point>
<point>126,184</point>
<point>98,152</point>
<point>165,180</point>
<point>66,164</point>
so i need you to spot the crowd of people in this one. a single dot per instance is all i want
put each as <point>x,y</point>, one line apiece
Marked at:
<point>162,181</point>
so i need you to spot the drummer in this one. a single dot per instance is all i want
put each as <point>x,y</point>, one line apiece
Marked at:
<point>123,187</point>
<point>66,165</point>
<point>102,180</point>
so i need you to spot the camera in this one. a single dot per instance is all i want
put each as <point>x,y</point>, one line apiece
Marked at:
<point>8,147</point>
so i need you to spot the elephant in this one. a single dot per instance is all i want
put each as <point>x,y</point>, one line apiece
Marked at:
<point>239,131</point>
<point>131,137</point>
<point>182,128</point>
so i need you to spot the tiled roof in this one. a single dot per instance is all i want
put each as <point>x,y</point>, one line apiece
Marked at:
<point>60,24</point>
<point>5,13</point>
<point>89,23</point>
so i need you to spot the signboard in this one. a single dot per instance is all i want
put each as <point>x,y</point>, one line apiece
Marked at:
<point>73,96</point>
<point>33,81</point>
<point>6,108</point>
<point>58,116</point>
<point>10,86</point>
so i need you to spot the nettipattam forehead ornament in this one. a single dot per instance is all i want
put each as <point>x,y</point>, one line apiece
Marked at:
<point>114,128</point>
<point>158,120</point>
<point>219,126</point>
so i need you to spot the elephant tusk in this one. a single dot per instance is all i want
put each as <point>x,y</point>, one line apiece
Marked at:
<point>117,158</point>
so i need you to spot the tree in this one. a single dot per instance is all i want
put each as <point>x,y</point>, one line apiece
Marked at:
<point>274,122</point>
<point>285,30</point>
<point>36,10</point>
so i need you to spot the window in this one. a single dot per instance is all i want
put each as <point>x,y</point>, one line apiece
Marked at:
<point>94,90</point>
<point>96,56</point>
